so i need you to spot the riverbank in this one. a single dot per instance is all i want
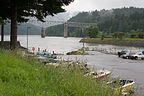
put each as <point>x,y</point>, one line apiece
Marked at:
<point>6,45</point>
<point>124,42</point>
<point>25,76</point>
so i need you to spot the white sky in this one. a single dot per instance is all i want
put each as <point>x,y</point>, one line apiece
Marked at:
<point>90,5</point>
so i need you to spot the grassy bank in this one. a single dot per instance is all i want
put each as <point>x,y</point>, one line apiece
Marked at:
<point>134,42</point>
<point>20,76</point>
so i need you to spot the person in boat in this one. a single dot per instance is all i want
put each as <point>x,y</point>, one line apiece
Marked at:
<point>44,53</point>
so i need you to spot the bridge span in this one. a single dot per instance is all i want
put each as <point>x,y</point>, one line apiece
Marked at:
<point>66,25</point>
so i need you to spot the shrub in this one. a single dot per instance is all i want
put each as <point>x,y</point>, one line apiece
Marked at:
<point>140,35</point>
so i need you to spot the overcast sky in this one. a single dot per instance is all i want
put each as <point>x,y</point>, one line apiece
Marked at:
<point>90,5</point>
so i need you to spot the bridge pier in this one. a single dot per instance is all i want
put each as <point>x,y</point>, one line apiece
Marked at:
<point>65,30</point>
<point>66,25</point>
<point>43,33</point>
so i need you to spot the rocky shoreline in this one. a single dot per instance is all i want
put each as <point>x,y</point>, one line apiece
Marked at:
<point>131,43</point>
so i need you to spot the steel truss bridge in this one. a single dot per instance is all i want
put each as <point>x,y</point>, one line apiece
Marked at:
<point>66,25</point>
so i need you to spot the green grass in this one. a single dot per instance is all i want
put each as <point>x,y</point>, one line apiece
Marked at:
<point>20,76</point>
<point>106,39</point>
<point>134,39</point>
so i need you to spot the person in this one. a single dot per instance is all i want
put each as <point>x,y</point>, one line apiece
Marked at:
<point>53,53</point>
<point>119,54</point>
<point>38,52</point>
<point>38,49</point>
<point>44,53</point>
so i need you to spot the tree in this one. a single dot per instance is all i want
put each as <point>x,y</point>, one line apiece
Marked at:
<point>127,20</point>
<point>119,35</point>
<point>115,35</point>
<point>140,35</point>
<point>2,32</point>
<point>133,35</point>
<point>103,36</point>
<point>18,10</point>
<point>92,31</point>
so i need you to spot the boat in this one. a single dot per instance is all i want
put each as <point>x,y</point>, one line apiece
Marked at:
<point>122,86</point>
<point>47,55</point>
<point>99,74</point>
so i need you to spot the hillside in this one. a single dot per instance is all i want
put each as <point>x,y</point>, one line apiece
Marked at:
<point>35,28</point>
<point>126,20</point>
<point>58,30</point>
<point>22,29</point>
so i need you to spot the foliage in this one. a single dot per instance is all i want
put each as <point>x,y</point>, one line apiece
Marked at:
<point>92,31</point>
<point>133,35</point>
<point>115,35</point>
<point>119,35</point>
<point>137,35</point>
<point>2,21</point>
<point>28,77</point>
<point>134,42</point>
<point>111,39</point>
<point>140,35</point>
<point>127,20</point>
<point>58,30</point>
<point>17,10</point>
<point>84,48</point>
<point>34,8</point>
<point>102,36</point>
<point>78,52</point>
<point>116,20</point>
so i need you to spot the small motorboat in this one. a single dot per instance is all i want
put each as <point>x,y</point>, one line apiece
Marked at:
<point>99,74</point>
<point>122,86</point>
<point>47,55</point>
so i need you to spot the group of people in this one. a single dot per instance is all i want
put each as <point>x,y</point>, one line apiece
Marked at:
<point>44,52</point>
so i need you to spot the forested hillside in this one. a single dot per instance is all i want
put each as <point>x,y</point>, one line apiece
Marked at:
<point>128,20</point>
<point>58,30</point>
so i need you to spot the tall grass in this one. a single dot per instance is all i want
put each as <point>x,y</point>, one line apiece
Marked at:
<point>28,77</point>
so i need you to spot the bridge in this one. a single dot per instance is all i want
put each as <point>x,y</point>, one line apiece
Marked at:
<point>66,25</point>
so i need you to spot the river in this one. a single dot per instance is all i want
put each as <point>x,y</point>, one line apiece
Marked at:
<point>123,68</point>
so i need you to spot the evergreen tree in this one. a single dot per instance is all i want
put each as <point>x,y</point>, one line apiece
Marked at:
<point>2,32</point>
<point>110,21</point>
<point>17,10</point>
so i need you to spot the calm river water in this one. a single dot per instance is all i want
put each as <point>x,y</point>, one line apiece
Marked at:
<point>123,68</point>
